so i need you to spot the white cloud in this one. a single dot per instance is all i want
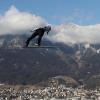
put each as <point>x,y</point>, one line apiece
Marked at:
<point>75,33</point>
<point>14,21</point>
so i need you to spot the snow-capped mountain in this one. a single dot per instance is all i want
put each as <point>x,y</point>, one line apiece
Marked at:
<point>33,65</point>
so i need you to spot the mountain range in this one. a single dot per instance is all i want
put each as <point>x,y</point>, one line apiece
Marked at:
<point>80,62</point>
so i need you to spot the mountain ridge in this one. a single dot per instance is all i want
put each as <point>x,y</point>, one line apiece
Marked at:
<point>31,66</point>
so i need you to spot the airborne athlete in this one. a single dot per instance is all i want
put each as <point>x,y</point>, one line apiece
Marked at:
<point>38,32</point>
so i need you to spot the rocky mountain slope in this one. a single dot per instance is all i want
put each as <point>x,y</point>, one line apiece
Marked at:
<point>34,65</point>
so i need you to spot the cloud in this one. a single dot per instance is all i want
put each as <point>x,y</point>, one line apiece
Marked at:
<point>76,33</point>
<point>13,21</point>
<point>16,22</point>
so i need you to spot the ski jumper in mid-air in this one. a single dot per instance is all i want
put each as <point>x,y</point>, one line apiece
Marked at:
<point>38,32</point>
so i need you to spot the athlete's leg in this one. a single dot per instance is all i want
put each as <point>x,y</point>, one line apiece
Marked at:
<point>30,38</point>
<point>39,40</point>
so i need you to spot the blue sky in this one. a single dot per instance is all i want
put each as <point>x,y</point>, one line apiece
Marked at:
<point>84,12</point>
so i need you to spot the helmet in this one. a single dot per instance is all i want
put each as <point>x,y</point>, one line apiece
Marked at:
<point>47,28</point>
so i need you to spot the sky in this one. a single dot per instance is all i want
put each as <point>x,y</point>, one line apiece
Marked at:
<point>71,20</point>
<point>83,12</point>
